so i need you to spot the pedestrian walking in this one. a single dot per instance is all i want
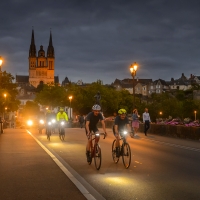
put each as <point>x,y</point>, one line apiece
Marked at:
<point>135,121</point>
<point>146,120</point>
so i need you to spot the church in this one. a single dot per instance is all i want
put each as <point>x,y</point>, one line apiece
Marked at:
<point>41,66</point>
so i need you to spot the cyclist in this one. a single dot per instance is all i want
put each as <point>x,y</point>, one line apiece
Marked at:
<point>61,116</point>
<point>121,123</point>
<point>91,126</point>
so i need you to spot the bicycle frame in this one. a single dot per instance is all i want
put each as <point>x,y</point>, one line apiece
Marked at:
<point>125,150</point>
<point>95,150</point>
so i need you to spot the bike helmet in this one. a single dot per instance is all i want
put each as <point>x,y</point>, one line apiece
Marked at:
<point>96,107</point>
<point>122,111</point>
<point>61,109</point>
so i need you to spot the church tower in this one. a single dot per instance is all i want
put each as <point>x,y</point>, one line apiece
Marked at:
<point>41,67</point>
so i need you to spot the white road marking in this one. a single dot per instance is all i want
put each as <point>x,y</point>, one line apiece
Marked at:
<point>82,189</point>
<point>174,145</point>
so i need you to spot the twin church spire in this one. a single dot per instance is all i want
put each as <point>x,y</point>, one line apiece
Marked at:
<point>32,49</point>
<point>41,64</point>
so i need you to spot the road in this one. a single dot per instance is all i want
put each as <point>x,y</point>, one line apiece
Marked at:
<point>161,168</point>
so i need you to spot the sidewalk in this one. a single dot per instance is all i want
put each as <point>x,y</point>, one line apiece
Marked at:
<point>28,172</point>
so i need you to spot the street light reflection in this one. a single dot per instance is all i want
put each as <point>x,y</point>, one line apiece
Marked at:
<point>119,180</point>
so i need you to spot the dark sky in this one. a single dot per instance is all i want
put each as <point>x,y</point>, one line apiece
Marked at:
<point>99,39</point>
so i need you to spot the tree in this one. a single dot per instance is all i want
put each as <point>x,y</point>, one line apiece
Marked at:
<point>51,95</point>
<point>10,89</point>
<point>31,108</point>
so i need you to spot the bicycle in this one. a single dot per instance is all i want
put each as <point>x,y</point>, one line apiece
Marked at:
<point>48,130</point>
<point>125,150</point>
<point>62,130</point>
<point>95,150</point>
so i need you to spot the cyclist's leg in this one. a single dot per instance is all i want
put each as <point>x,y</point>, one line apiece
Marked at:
<point>117,143</point>
<point>88,146</point>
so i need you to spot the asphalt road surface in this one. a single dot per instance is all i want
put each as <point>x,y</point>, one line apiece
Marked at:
<point>161,167</point>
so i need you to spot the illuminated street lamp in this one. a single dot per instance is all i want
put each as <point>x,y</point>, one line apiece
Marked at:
<point>133,69</point>
<point>1,61</point>
<point>195,114</point>
<point>160,113</point>
<point>70,99</point>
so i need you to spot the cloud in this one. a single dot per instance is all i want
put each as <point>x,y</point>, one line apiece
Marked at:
<point>100,39</point>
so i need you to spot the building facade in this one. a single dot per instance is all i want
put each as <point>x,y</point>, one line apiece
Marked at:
<point>41,66</point>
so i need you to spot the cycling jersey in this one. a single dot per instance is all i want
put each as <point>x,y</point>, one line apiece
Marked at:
<point>61,116</point>
<point>93,120</point>
<point>121,122</point>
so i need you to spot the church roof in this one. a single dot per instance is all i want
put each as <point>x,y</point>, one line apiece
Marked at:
<point>22,79</point>
<point>56,79</point>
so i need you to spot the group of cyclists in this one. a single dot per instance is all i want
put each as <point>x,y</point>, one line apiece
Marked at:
<point>121,122</point>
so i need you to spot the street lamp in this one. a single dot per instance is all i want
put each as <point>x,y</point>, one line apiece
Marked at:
<point>133,69</point>
<point>70,99</point>
<point>160,113</point>
<point>195,114</point>
<point>1,61</point>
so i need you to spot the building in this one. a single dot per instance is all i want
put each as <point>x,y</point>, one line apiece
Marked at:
<point>41,66</point>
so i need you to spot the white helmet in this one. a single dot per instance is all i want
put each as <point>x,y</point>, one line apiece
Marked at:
<point>96,107</point>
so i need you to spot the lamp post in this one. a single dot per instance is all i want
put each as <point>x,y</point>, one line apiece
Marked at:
<point>70,99</point>
<point>195,114</point>
<point>133,69</point>
<point>5,95</point>
<point>1,61</point>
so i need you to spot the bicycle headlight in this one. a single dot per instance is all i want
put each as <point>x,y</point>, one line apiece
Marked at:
<point>53,120</point>
<point>29,122</point>
<point>41,121</point>
<point>49,123</point>
<point>97,133</point>
<point>62,123</point>
<point>125,132</point>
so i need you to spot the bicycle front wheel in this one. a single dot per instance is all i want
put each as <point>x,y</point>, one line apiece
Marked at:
<point>114,155</point>
<point>126,155</point>
<point>97,156</point>
<point>62,134</point>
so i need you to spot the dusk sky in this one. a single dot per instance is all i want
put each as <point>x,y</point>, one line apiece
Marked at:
<point>99,39</point>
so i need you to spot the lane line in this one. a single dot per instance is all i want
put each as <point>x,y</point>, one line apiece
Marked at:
<point>174,145</point>
<point>82,189</point>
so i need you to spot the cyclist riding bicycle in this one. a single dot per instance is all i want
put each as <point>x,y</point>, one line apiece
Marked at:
<point>61,116</point>
<point>121,123</point>
<point>91,126</point>
<point>48,117</point>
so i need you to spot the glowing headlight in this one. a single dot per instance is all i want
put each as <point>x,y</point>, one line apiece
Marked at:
<point>125,132</point>
<point>49,123</point>
<point>41,121</point>
<point>62,123</point>
<point>97,133</point>
<point>29,122</point>
<point>53,120</point>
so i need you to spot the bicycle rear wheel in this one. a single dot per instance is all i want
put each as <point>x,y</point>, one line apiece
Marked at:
<point>126,155</point>
<point>97,156</point>
<point>114,155</point>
